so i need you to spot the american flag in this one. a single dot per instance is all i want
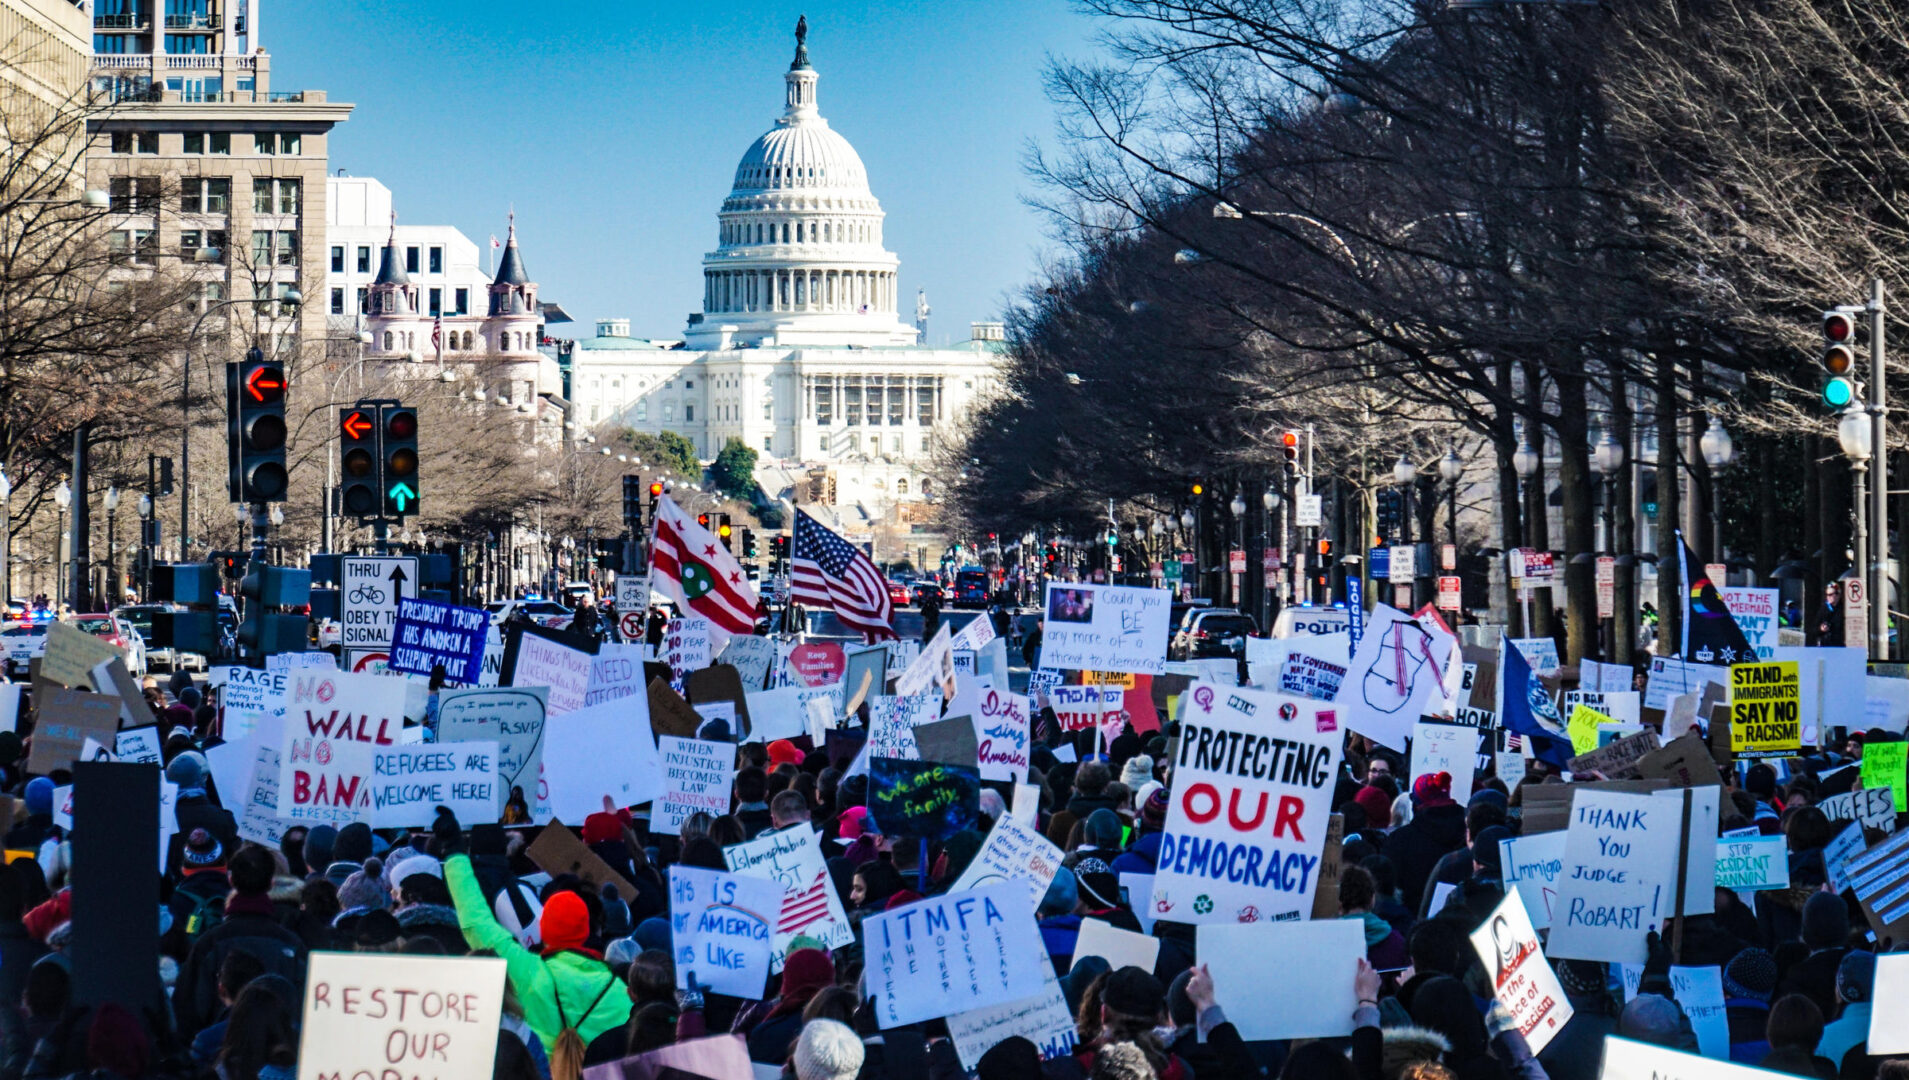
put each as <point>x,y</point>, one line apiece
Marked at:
<point>437,332</point>
<point>804,908</point>
<point>827,571</point>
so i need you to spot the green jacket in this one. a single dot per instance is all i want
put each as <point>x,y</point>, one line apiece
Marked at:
<point>539,980</point>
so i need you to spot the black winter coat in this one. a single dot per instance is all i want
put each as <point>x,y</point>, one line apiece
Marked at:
<point>1416,847</point>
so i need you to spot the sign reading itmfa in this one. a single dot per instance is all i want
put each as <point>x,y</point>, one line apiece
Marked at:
<point>368,591</point>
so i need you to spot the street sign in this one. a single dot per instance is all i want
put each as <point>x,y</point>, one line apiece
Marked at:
<point>367,661</point>
<point>1448,593</point>
<point>1170,570</point>
<point>1236,561</point>
<point>1855,613</point>
<point>1718,574</point>
<point>1269,559</point>
<point>1307,512</point>
<point>1606,587</point>
<point>1379,562</point>
<point>632,593</point>
<point>630,625</point>
<point>1448,556</point>
<point>1401,563</point>
<point>368,591</point>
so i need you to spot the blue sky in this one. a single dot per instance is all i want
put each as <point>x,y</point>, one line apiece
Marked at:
<point>615,129</point>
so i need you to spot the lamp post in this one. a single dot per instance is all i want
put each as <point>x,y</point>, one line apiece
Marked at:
<point>1607,459</point>
<point>1269,501</point>
<point>6,535</point>
<point>1237,508</point>
<point>1525,462</point>
<point>62,498</point>
<point>113,590</point>
<point>1854,434</point>
<point>1718,451</point>
<point>145,547</point>
<point>1451,470</point>
<point>1405,475</point>
<point>1188,519</point>
<point>277,518</point>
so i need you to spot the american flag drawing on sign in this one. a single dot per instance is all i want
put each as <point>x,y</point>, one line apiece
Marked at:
<point>827,571</point>
<point>805,908</point>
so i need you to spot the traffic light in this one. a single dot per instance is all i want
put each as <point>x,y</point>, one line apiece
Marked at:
<point>633,502</point>
<point>255,429</point>
<point>1325,550</point>
<point>165,476</point>
<point>723,532</point>
<point>262,632</point>
<point>748,542</point>
<point>1198,488</point>
<point>702,522</point>
<point>1839,360</point>
<point>1289,442</point>
<point>1113,537</point>
<point>362,490</point>
<point>398,449</point>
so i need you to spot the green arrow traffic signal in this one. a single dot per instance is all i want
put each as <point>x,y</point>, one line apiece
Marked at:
<point>399,493</point>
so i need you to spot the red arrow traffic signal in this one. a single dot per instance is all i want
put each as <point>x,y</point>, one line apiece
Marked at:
<point>355,425</point>
<point>265,384</point>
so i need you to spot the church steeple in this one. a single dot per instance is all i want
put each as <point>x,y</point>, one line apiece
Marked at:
<point>391,293</point>
<point>512,292</point>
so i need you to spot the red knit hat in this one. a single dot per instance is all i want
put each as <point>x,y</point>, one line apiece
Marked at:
<point>1433,789</point>
<point>901,898</point>
<point>565,922</point>
<point>1376,804</point>
<point>805,972</point>
<point>784,752</point>
<point>600,828</point>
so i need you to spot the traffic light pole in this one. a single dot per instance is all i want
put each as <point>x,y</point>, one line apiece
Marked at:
<point>1879,480</point>
<point>381,534</point>
<point>261,526</point>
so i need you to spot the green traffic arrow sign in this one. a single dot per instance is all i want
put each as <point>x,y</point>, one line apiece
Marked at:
<point>400,492</point>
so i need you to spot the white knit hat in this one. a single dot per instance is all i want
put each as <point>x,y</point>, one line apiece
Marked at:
<point>1139,771</point>
<point>827,1050</point>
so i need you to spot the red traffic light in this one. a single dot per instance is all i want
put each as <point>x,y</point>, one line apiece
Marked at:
<point>1838,326</point>
<point>402,425</point>
<point>656,488</point>
<point>355,426</point>
<point>702,520</point>
<point>265,384</point>
<point>1290,440</point>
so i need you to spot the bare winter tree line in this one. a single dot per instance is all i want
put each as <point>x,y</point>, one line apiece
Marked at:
<point>1479,225</point>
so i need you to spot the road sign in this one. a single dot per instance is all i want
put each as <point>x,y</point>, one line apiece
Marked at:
<point>1448,556</point>
<point>1855,612</point>
<point>1448,593</point>
<point>1307,514</point>
<point>1401,565</point>
<point>630,625</point>
<point>1606,587</point>
<point>368,591</point>
<point>1379,561</point>
<point>632,593</point>
<point>1236,561</point>
<point>367,661</point>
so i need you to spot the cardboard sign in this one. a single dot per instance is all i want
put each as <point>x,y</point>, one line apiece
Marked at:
<point>1885,765</point>
<point>597,751</point>
<point>669,713</point>
<point>1766,710</point>
<point>1699,993</point>
<point>1396,676</point>
<point>1042,1020</point>
<point>696,779</point>
<point>67,718</point>
<point>953,954</point>
<point>721,929</point>
<point>432,634</point>
<point>1325,900</point>
<point>1105,628</point>
<point>1120,948</point>
<point>1889,1016</point>
<point>558,851</point>
<point>510,716</point>
<point>374,1014</point>
<point>113,679</point>
<point>1514,959</point>
<point>1285,980</point>
<point>1620,876</point>
<point>924,799</point>
<point>616,672</point>
<point>1618,759</point>
<point>1684,762</point>
<point>1253,780</point>
<point>538,656</point>
<point>1533,864</point>
<point>1752,864</point>
<point>751,656</point>
<point>715,685</point>
<point>1013,851</point>
<point>1873,808</point>
<point>72,654</point>
<point>793,858</point>
<point>950,741</point>
<point>1443,746</point>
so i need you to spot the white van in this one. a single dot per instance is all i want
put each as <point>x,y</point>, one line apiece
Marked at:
<point>1303,619</point>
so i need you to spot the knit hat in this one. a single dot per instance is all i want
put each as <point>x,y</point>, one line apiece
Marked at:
<point>1013,1058</point>
<point>653,933</point>
<point>1856,977</point>
<point>854,823</point>
<point>353,843</point>
<point>1122,1061</point>
<point>1433,789</point>
<point>1138,771</point>
<point>1651,1018</point>
<point>827,1050</point>
<point>414,864</point>
<point>1074,984</point>
<point>783,752</point>
<point>365,888</point>
<point>1376,804</point>
<point>1153,808</point>
<point>1134,992</point>
<point>1581,978</point>
<point>1098,883</point>
<point>1489,795</point>
<point>900,898</point>
<point>1103,828</point>
<point>1750,974</point>
<point>1825,921</point>
<point>187,770</point>
<point>602,828</point>
<point>1062,893</point>
<point>39,795</point>
<point>1485,850</point>
<point>992,805</point>
<point>376,929</point>
<point>203,850</point>
<point>806,971</point>
<point>190,697</point>
<point>318,844</point>
<point>565,922</point>
<point>116,1042</point>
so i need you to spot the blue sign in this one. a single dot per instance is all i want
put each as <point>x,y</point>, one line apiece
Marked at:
<point>430,634</point>
<point>1355,609</point>
<point>1378,563</point>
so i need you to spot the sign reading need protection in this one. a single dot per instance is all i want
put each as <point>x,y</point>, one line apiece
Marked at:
<point>1766,703</point>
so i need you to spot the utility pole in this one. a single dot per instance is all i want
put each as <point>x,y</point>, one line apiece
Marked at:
<point>1879,479</point>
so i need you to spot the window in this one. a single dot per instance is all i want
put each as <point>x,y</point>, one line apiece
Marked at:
<point>337,258</point>
<point>275,196</point>
<point>927,444</point>
<point>288,143</point>
<point>689,414</point>
<point>194,142</point>
<point>135,142</point>
<point>364,259</point>
<point>854,443</point>
<point>901,485</point>
<point>689,384</point>
<point>467,341</point>
<point>363,294</point>
<point>643,410</point>
<point>134,194</point>
<point>437,302</point>
<point>288,191</point>
<point>136,246</point>
<point>261,196</point>
<point>192,241</point>
<point>288,248</point>
<point>387,341</point>
<point>669,412</point>
<point>437,260</point>
<point>768,443</point>
<point>338,301</point>
<point>410,260</point>
<point>264,143</point>
<point>219,142</point>
<point>261,247</point>
<point>461,301</point>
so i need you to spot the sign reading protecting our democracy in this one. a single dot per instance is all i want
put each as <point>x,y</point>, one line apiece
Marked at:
<point>952,954</point>
<point>1766,703</point>
<point>722,928</point>
<point>431,634</point>
<point>1105,628</point>
<point>1525,983</point>
<point>1246,827</point>
<point>385,1014</point>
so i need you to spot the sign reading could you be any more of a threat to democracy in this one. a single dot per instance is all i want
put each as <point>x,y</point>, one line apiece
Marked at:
<point>1105,628</point>
<point>1246,827</point>
<point>384,1014</point>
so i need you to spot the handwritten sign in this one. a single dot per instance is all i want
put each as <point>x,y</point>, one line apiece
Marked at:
<point>1105,627</point>
<point>892,722</point>
<point>1043,1020</point>
<point>1508,946</point>
<point>1001,733</point>
<point>1873,808</point>
<point>251,699</point>
<point>1699,993</point>
<point>1013,851</point>
<point>952,954</point>
<point>615,672</point>
<point>689,644</point>
<point>408,784</point>
<point>1441,746</point>
<point>1083,708</point>
<point>383,1014</point>
<point>1533,864</point>
<point>924,799</point>
<point>793,858</point>
<point>696,779</point>
<point>1310,676</point>
<point>1752,864</point>
<point>1885,765</point>
<point>721,928</point>
<point>549,658</point>
<point>432,634</point>
<point>1755,611</point>
<point>1766,702</point>
<point>510,716</point>
<point>72,654</point>
<point>1619,877</point>
<point>332,721</point>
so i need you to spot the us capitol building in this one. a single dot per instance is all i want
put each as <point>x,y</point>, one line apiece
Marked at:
<point>799,350</point>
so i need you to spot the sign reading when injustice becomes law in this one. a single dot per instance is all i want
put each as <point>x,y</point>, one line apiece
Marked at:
<point>1766,709</point>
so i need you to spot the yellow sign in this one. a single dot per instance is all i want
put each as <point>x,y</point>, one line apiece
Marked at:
<point>1582,727</point>
<point>1766,703</point>
<point>1123,679</point>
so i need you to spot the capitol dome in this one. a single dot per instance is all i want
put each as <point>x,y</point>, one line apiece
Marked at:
<point>799,257</point>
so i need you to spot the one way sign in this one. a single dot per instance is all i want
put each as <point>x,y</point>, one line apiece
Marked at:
<point>369,589</point>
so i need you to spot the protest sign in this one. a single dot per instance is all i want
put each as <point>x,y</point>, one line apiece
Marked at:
<point>252,700</point>
<point>1013,851</point>
<point>934,667</point>
<point>111,677</point>
<point>721,929</point>
<point>1880,878</point>
<point>816,663</point>
<point>1083,708</point>
<point>1889,1016</point>
<point>1837,853</point>
<point>1698,850</point>
<point>669,713</point>
<point>1619,876</point>
<point>1628,1060</point>
<point>1699,993</point>
<point>1105,628</point>
<point>1873,808</point>
<point>1765,710</point>
<point>1325,899</point>
<point>432,634</point>
<point>923,799</point>
<point>1120,948</point>
<point>950,741</point>
<point>1311,668</point>
<point>751,656</point>
<point>66,719</point>
<point>716,685</point>
<point>138,745</point>
<point>1884,766</point>
<point>392,1014</point>
<point>793,858</point>
<point>953,954</point>
<point>1441,746</point>
<point>1396,676</point>
<point>1001,726</point>
<point>1253,780</point>
<point>616,672</point>
<point>892,722</point>
<point>1533,864</point>
<point>1514,960</point>
<point>1541,653</point>
<point>1669,676</point>
<point>536,656</point>
<point>1752,864</point>
<point>558,851</point>
<point>72,654</point>
<point>696,779</point>
<point>1684,762</point>
<point>510,716</point>
<point>865,677</point>
<point>596,751</point>
<point>1616,760</point>
<point>1285,980</point>
<point>689,644</point>
<point>1582,727</point>
<point>333,720</point>
<point>1755,612</point>
<point>1042,1020</point>
<point>257,795</point>
<point>1622,706</point>
<point>408,783</point>
<point>783,713</point>
<point>10,705</point>
<point>1833,685</point>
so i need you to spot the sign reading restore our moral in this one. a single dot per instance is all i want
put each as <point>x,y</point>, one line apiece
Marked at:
<point>1246,827</point>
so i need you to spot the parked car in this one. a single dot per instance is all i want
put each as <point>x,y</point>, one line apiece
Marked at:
<point>24,641</point>
<point>140,617</point>
<point>542,612</point>
<point>898,594</point>
<point>1212,632</point>
<point>118,633</point>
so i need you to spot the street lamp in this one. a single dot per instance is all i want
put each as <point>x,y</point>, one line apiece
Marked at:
<point>1607,459</point>
<point>6,535</point>
<point>1451,469</point>
<point>1525,462</point>
<point>1718,451</point>
<point>145,546</point>
<point>1854,434</point>
<point>1405,475</point>
<point>62,498</point>
<point>114,591</point>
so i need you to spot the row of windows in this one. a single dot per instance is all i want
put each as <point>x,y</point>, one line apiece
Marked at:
<point>461,304</point>
<point>138,246</point>
<point>799,232</point>
<point>203,195</point>
<point>272,143</point>
<point>405,339</point>
<point>410,260</point>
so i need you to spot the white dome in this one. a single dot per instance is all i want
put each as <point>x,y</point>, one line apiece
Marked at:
<point>801,152</point>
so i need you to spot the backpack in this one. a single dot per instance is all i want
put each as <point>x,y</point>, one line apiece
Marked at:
<point>205,913</point>
<point>566,1057</point>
